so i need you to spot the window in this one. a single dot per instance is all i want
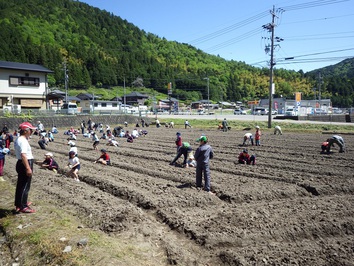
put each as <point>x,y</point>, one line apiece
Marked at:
<point>95,104</point>
<point>114,104</point>
<point>24,81</point>
<point>103,104</point>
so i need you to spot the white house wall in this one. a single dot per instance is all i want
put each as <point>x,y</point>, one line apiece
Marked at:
<point>20,92</point>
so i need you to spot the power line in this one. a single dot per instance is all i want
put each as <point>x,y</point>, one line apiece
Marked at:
<point>228,29</point>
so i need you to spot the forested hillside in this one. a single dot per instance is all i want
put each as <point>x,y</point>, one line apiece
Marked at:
<point>101,49</point>
<point>338,81</point>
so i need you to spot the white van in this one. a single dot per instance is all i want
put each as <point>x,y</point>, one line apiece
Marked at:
<point>69,109</point>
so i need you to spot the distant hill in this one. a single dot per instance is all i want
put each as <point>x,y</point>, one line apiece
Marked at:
<point>338,81</point>
<point>103,50</point>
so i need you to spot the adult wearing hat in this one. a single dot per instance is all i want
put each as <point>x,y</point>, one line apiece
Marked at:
<point>104,158</point>
<point>202,155</point>
<point>24,168</point>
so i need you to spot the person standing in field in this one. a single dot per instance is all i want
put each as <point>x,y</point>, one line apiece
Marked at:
<point>202,155</point>
<point>225,125</point>
<point>257,136</point>
<point>74,166</point>
<point>24,168</point>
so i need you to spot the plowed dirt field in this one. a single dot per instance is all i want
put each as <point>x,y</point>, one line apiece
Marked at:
<point>294,207</point>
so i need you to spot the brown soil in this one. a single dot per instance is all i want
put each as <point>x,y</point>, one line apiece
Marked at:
<point>294,207</point>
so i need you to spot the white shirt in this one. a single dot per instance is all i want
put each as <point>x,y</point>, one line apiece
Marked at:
<point>248,135</point>
<point>74,161</point>
<point>22,146</point>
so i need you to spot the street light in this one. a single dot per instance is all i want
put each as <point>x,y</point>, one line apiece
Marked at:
<point>207,78</point>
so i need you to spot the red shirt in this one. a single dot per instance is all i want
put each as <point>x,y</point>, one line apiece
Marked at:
<point>179,141</point>
<point>244,157</point>
<point>105,157</point>
<point>258,135</point>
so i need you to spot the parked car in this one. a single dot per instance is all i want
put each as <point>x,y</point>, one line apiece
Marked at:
<point>319,111</point>
<point>274,112</point>
<point>260,111</point>
<point>239,112</point>
<point>291,112</point>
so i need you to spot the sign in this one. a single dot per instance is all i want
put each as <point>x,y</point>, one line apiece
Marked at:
<point>298,96</point>
<point>169,88</point>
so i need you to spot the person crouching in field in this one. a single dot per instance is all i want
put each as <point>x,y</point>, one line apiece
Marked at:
<point>74,165</point>
<point>104,158</point>
<point>247,139</point>
<point>324,146</point>
<point>183,150</point>
<point>335,139</point>
<point>49,163</point>
<point>245,158</point>
<point>277,130</point>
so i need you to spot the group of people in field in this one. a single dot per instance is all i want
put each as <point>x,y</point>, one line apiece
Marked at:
<point>200,159</point>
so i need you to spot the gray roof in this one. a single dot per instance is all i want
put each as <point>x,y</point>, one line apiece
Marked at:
<point>136,94</point>
<point>23,66</point>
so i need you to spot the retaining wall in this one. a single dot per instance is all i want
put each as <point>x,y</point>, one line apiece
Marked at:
<point>73,121</point>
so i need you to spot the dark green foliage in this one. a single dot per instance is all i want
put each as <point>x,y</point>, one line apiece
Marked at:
<point>104,50</point>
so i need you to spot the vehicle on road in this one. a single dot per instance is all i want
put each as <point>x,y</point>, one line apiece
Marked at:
<point>320,111</point>
<point>291,112</point>
<point>239,112</point>
<point>260,111</point>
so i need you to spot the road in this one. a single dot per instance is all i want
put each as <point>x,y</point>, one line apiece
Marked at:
<point>262,118</point>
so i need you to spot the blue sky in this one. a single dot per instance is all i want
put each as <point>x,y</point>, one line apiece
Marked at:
<point>315,33</point>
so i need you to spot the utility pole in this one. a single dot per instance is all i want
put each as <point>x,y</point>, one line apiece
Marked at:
<point>66,80</point>
<point>319,88</point>
<point>207,78</point>
<point>270,28</point>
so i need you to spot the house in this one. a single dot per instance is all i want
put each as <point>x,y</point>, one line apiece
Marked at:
<point>23,86</point>
<point>168,104</point>
<point>135,98</point>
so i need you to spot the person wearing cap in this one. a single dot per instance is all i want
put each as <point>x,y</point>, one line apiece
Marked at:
<point>247,138</point>
<point>183,150</point>
<point>74,166</point>
<point>178,140</point>
<point>245,158</point>
<point>225,125</point>
<point>104,158</point>
<point>335,139</point>
<point>257,136</point>
<point>24,168</point>
<point>277,130</point>
<point>72,147</point>
<point>3,151</point>
<point>202,155</point>
<point>49,163</point>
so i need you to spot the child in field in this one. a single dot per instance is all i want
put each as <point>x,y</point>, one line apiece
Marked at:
<point>245,158</point>
<point>3,152</point>
<point>49,163</point>
<point>178,140</point>
<point>104,158</point>
<point>277,130</point>
<point>258,136</point>
<point>247,138</point>
<point>74,165</point>
<point>96,141</point>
